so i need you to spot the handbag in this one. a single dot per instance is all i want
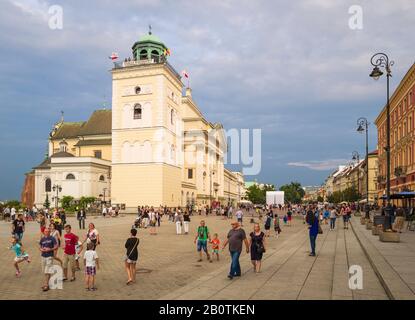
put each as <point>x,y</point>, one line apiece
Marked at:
<point>320,231</point>
<point>260,248</point>
<point>135,246</point>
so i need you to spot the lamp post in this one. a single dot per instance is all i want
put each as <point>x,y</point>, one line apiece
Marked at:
<point>211,173</point>
<point>363,126</point>
<point>229,192</point>
<point>58,189</point>
<point>356,157</point>
<point>381,60</point>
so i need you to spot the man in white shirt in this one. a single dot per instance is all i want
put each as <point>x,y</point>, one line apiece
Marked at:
<point>230,212</point>
<point>239,215</point>
<point>13,214</point>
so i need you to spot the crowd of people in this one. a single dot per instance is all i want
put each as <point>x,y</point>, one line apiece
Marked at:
<point>57,235</point>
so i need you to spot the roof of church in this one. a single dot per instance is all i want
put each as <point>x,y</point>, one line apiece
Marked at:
<point>68,130</point>
<point>98,123</point>
<point>62,154</point>
<point>45,164</point>
<point>93,142</point>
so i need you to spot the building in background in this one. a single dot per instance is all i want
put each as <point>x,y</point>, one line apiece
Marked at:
<point>154,147</point>
<point>402,138</point>
<point>311,193</point>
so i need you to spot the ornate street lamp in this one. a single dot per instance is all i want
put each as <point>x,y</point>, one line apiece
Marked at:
<point>58,189</point>
<point>363,126</point>
<point>356,157</point>
<point>381,60</point>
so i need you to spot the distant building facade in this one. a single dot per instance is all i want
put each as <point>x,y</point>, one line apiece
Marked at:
<point>402,138</point>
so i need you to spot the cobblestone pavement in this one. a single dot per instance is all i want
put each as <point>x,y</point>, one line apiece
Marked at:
<point>168,267</point>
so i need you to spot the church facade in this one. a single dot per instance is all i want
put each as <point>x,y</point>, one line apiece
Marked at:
<point>154,147</point>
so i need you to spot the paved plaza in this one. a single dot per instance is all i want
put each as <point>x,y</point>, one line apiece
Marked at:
<point>168,267</point>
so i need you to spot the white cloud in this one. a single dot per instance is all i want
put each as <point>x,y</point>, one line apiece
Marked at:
<point>35,8</point>
<point>322,165</point>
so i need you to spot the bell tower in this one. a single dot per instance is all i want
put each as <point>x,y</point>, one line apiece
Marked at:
<point>146,127</point>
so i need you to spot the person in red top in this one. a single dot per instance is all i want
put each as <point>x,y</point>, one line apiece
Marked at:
<point>215,246</point>
<point>70,241</point>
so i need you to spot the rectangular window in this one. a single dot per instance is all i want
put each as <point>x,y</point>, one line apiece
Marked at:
<point>189,173</point>
<point>98,154</point>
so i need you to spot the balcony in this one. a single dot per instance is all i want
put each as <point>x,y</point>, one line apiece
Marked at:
<point>156,60</point>
<point>400,172</point>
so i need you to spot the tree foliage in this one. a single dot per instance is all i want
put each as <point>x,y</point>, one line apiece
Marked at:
<point>46,204</point>
<point>66,202</point>
<point>349,195</point>
<point>257,194</point>
<point>293,192</point>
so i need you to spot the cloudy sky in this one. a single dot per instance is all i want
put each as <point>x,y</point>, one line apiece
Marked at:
<point>295,69</point>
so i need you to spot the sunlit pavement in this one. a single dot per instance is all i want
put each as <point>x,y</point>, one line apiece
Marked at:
<point>168,267</point>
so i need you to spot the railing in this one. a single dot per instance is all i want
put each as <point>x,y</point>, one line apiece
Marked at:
<point>132,63</point>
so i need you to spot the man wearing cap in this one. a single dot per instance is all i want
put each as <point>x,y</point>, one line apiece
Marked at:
<point>236,237</point>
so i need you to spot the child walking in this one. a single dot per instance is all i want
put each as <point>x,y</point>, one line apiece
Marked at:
<point>215,247</point>
<point>21,255</point>
<point>91,264</point>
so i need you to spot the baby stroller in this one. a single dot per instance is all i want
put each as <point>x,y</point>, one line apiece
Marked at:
<point>137,223</point>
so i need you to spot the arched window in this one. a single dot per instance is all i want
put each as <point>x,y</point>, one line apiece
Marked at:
<point>137,111</point>
<point>172,116</point>
<point>48,185</point>
<point>70,176</point>
<point>143,55</point>
<point>137,90</point>
<point>63,145</point>
<point>155,55</point>
<point>101,178</point>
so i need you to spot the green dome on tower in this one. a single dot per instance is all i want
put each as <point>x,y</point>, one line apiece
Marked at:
<point>149,47</point>
<point>150,38</point>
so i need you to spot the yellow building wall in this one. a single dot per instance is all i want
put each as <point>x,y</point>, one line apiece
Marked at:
<point>88,151</point>
<point>145,184</point>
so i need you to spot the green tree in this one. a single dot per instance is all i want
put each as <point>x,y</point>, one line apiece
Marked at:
<point>84,201</point>
<point>66,202</point>
<point>257,194</point>
<point>46,204</point>
<point>293,192</point>
<point>13,204</point>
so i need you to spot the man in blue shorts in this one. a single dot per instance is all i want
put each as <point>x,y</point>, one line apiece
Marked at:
<point>201,239</point>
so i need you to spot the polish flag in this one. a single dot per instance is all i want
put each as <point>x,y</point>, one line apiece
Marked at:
<point>185,74</point>
<point>113,56</point>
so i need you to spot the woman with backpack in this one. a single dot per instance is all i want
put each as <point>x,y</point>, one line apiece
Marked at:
<point>257,247</point>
